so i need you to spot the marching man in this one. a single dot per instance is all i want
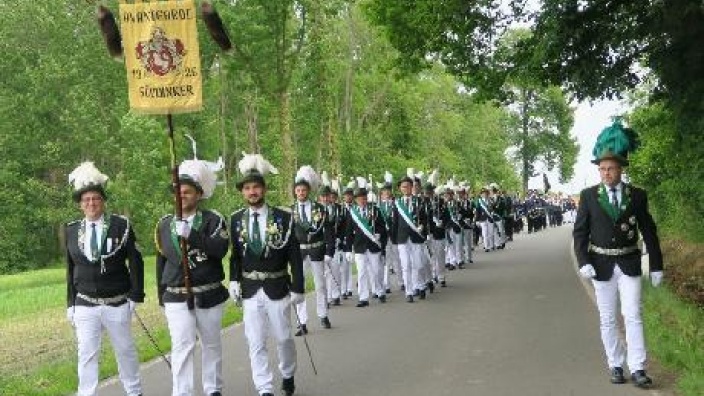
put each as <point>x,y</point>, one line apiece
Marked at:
<point>103,289</point>
<point>266,272</point>
<point>454,228</point>
<point>466,209</point>
<point>207,241</point>
<point>317,243</point>
<point>365,238</point>
<point>605,235</point>
<point>407,230</point>
<point>485,217</point>
<point>391,262</point>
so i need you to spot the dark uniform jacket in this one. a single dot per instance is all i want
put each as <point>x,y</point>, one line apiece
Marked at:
<point>281,253</point>
<point>120,270</point>
<point>438,217</point>
<point>317,235</point>
<point>207,245</point>
<point>484,210</point>
<point>357,240</point>
<point>454,217</point>
<point>466,207</point>
<point>595,226</point>
<point>401,231</point>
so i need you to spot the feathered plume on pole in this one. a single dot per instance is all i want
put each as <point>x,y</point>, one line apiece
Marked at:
<point>110,31</point>
<point>215,26</point>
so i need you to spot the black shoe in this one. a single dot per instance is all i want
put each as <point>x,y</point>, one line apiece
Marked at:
<point>435,279</point>
<point>267,394</point>
<point>388,291</point>
<point>461,265</point>
<point>422,294</point>
<point>471,261</point>
<point>344,296</point>
<point>325,322</point>
<point>409,299</point>
<point>617,376</point>
<point>212,394</point>
<point>450,267</point>
<point>403,287</point>
<point>447,266</point>
<point>375,296</point>
<point>640,379</point>
<point>362,304</point>
<point>443,284</point>
<point>336,301</point>
<point>416,292</point>
<point>288,386</point>
<point>431,287</point>
<point>486,250</point>
<point>302,329</point>
<point>382,299</point>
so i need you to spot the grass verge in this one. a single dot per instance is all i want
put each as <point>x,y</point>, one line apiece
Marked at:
<point>675,332</point>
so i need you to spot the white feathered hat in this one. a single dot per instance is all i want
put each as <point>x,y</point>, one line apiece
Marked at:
<point>200,175</point>
<point>361,187</point>
<point>253,168</point>
<point>308,176</point>
<point>432,181</point>
<point>86,177</point>
<point>335,185</point>
<point>388,182</point>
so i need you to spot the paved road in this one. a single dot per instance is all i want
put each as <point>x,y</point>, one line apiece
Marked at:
<point>517,322</point>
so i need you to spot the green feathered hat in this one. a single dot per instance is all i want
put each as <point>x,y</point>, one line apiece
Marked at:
<point>615,142</point>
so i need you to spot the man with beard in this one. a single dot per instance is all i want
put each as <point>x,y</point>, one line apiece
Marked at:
<point>206,238</point>
<point>266,271</point>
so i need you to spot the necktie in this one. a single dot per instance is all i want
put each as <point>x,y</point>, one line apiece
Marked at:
<point>408,203</point>
<point>614,199</point>
<point>93,242</point>
<point>304,218</point>
<point>256,234</point>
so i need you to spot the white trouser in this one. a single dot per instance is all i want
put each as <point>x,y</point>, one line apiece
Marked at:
<point>426,273</point>
<point>261,315</point>
<point>333,276</point>
<point>454,248</point>
<point>89,323</point>
<point>499,233</point>
<point>321,299</point>
<point>467,240</point>
<point>487,234</point>
<point>184,326</point>
<point>409,254</point>
<point>438,249</point>
<point>369,275</point>
<point>628,288</point>
<point>392,261</point>
<point>346,280</point>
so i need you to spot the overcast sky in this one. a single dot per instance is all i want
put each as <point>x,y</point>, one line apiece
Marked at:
<point>589,120</point>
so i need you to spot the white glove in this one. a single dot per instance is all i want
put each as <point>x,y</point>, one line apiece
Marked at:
<point>235,291</point>
<point>132,305</point>
<point>183,229</point>
<point>349,256</point>
<point>69,315</point>
<point>297,298</point>
<point>587,271</point>
<point>327,259</point>
<point>656,278</point>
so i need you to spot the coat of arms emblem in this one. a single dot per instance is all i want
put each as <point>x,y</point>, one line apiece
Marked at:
<point>160,55</point>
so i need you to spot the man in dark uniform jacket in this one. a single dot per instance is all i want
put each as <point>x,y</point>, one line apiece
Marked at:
<point>466,208</point>
<point>609,217</point>
<point>317,243</point>
<point>266,271</point>
<point>408,231</point>
<point>105,281</point>
<point>365,238</point>
<point>207,242</point>
<point>438,220</point>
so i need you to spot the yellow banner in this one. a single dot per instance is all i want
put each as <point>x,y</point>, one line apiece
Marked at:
<point>162,56</point>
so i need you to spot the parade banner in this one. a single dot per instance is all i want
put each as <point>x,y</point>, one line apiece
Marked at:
<point>162,56</point>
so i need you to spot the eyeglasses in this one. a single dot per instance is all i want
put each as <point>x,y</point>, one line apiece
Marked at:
<point>92,199</point>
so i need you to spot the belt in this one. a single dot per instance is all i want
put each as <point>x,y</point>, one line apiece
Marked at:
<point>194,289</point>
<point>103,300</point>
<point>613,252</point>
<point>308,246</point>
<point>260,276</point>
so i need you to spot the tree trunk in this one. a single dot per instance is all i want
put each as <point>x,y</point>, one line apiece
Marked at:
<point>525,171</point>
